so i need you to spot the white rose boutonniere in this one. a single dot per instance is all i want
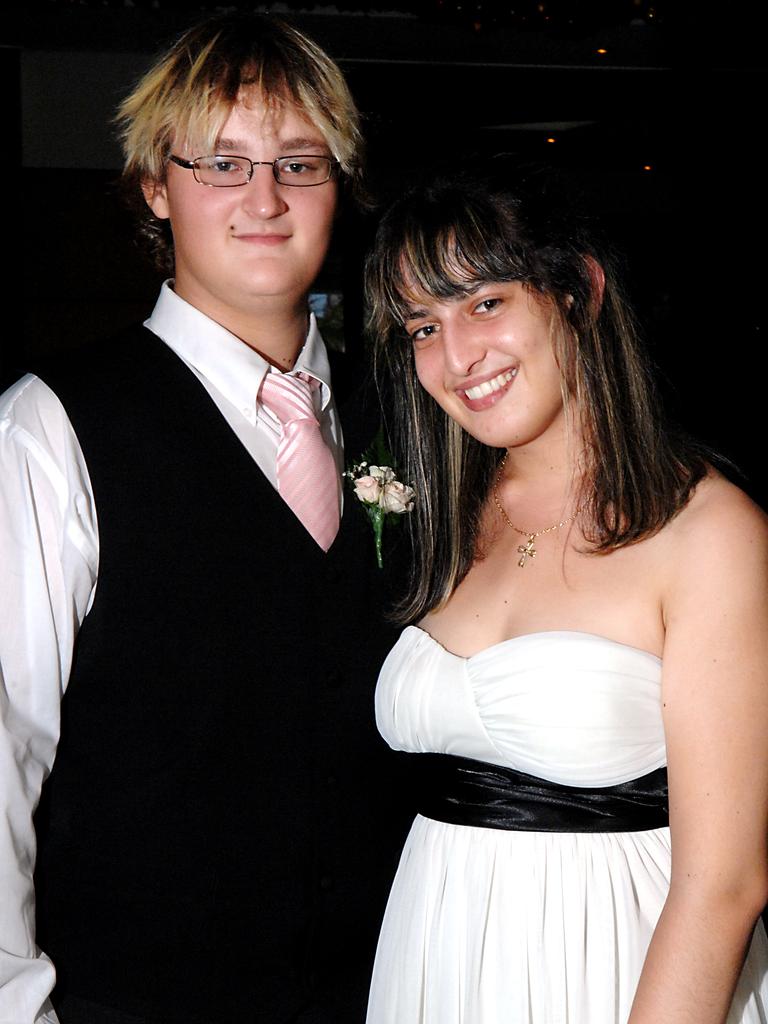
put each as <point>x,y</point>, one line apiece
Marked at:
<point>382,497</point>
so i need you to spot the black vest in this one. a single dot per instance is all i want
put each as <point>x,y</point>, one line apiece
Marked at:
<point>218,833</point>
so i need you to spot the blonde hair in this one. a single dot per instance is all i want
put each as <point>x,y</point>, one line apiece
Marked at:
<point>187,96</point>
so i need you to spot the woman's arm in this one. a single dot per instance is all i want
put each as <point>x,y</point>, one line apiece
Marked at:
<point>715,696</point>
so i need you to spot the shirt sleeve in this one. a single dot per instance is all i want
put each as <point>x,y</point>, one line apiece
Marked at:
<point>49,558</point>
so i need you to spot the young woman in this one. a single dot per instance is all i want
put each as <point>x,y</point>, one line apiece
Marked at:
<point>586,685</point>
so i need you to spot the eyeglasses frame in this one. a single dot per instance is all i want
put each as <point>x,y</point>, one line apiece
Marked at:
<point>191,165</point>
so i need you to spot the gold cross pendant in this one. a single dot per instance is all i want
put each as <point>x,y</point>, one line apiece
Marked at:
<point>527,550</point>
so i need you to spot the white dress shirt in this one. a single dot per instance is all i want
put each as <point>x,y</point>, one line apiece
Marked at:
<point>49,552</point>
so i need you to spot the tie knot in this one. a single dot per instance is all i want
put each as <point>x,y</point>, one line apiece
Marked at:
<point>289,396</point>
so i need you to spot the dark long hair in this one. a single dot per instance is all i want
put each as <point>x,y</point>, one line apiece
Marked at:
<point>506,223</point>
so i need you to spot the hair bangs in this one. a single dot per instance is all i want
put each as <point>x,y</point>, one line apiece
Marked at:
<point>447,256</point>
<point>276,70</point>
<point>188,95</point>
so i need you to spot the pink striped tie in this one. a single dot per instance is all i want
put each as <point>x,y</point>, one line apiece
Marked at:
<point>307,478</point>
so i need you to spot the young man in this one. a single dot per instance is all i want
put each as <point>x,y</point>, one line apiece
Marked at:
<point>215,841</point>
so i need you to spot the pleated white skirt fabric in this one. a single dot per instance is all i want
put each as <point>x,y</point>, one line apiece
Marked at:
<point>486,926</point>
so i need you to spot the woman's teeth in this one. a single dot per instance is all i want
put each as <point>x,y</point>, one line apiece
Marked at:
<point>489,386</point>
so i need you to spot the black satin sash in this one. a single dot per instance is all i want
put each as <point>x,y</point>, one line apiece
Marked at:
<point>461,791</point>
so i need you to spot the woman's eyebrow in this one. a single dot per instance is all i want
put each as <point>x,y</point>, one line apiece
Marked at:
<point>414,314</point>
<point>470,288</point>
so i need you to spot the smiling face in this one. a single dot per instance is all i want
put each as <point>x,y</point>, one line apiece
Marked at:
<point>256,248</point>
<point>486,357</point>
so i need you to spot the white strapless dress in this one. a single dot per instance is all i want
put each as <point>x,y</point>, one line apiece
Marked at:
<point>486,926</point>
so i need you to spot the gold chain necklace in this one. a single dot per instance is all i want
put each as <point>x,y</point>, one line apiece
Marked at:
<point>527,550</point>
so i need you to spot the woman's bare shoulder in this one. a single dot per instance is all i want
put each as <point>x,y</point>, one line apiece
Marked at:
<point>716,504</point>
<point>720,531</point>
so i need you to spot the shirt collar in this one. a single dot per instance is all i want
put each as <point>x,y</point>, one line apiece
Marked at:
<point>313,360</point>
<point>231,366</point>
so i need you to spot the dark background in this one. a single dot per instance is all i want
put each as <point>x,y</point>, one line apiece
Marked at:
<point>658,108</point>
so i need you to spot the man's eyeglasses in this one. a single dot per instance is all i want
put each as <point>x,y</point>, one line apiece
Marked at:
<point>301,171</point>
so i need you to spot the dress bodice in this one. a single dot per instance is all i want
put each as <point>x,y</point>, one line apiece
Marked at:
<point>573,708</point>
